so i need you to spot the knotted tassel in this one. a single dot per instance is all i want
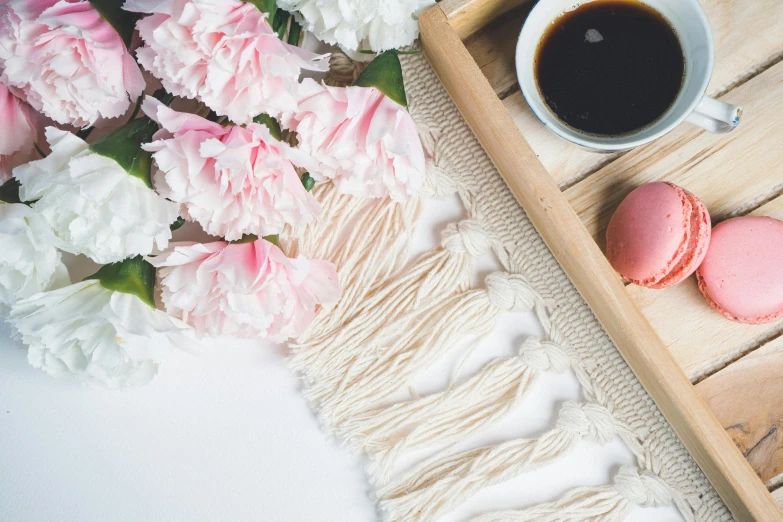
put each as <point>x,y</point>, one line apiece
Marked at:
<point>602,504</point>
<point>342,70</point>
<point>441,483</point>
<point>441,272</point>
<point>445,417</point>
<point>413,342</point>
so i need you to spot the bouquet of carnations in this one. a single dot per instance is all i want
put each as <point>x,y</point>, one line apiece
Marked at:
<point>95,161</point>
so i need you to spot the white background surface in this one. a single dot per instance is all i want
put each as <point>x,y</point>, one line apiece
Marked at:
<point>226,436</point>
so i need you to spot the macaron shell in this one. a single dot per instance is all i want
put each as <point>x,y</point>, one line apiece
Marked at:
<point>649,233</point>
<point>698,243</point>
<point>742,273</point>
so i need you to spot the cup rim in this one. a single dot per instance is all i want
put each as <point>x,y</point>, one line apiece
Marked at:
<point>609,144</point>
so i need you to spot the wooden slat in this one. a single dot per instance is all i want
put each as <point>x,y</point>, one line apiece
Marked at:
<point>468,16</point>
<point>698,337</point>
<point>747,398</point>
<point>778,496</point>
<point>575,250</point>
<point>494,59</point>
<point>747,36</point>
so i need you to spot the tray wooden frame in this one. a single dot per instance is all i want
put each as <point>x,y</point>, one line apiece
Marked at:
<point>444,27</point>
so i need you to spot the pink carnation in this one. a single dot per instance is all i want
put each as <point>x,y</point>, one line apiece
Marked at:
<point>18,133</point>
<point>66,61</point>
<point>232,180</point>
<point>364,141</point>
<point>244,289</point>
<point>224,53</point>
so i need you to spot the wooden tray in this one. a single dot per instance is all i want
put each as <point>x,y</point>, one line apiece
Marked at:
<point>719,383</point>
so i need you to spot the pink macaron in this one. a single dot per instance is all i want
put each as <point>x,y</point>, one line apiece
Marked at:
<point>658,235</point>
<point>742,274</point>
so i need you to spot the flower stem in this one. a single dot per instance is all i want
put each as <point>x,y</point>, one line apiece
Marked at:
<point>294,33</point>
<point>281,22</point>
<point>85,133</point>
<point>38,149</point>
<point>136,108</point>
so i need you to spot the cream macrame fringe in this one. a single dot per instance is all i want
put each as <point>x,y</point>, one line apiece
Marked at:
<point>440,272</point>
<point>442,418</point>
<point>320,238</point>
<point>440,484</point>
<point>602,504</point>
<point>411,344</point>
<point>366,252</point>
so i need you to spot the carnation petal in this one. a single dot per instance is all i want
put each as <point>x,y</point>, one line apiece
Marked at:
<point>363,141</point>
<point>92,205</point>
<point>244,289</point>
<point>66,61</point>
<point>100,337</point>
<point>224,54</point>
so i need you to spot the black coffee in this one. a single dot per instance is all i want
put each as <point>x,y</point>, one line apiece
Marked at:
<point>610,67</point>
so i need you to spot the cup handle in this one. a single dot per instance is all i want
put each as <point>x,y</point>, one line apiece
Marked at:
<point>715,116</point>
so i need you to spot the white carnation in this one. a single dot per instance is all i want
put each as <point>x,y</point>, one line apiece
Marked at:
<point>93,204</point>
<point>357,24</point>
<point>29,261</point>
<point>97,335</point>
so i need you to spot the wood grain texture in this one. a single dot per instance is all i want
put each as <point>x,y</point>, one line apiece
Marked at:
<point>494,59</point>
<point>573,247</point>
<point>468,16</point>
<point>700,339</point>
<point>746,399</point>
<point>736,56</point>
<point>778,496</point>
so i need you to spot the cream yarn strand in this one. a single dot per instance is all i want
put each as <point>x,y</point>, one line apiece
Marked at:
<point>602,504</point>
<point>443,482</point>
<point>454,414</point>
<point>415,342</point>
<point>438,273</point>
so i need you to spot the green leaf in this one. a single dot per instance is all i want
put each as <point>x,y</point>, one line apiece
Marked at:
<point>385,74</point>
<point>9,191</point>
<point>272,125</point>
<point>308,181</point>
<point>295,33</point>
<point>123,145</point>
<point>132,276</point>
<point>252,238</point>
<point>265,6</point>
<point>246,238</point>
<point>124,22</point>
<point>177,224</point>
<point>274,239</point>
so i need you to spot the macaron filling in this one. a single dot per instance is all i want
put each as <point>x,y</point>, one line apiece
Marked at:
<point>696,249</point>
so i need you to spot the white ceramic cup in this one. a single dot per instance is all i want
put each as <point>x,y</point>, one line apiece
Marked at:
<point>691,105</point>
